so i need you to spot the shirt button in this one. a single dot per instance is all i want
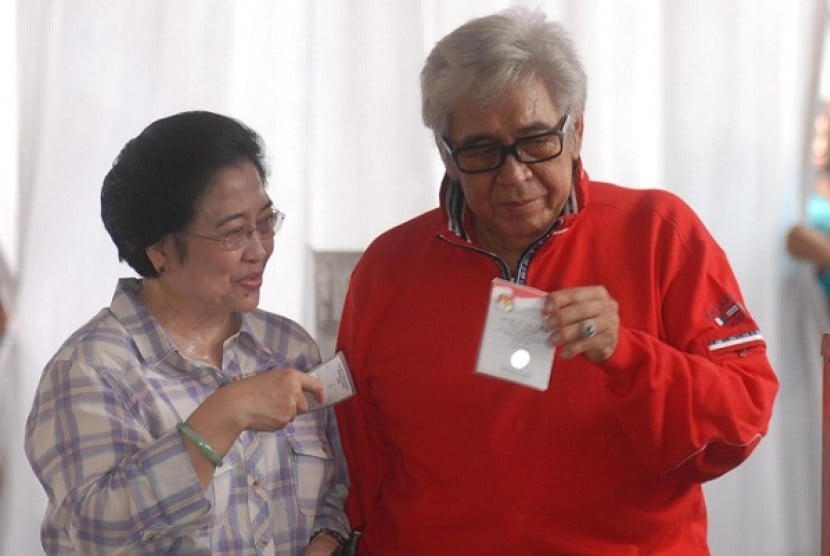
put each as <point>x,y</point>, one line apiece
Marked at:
<point>263,542</point>
<point>255,484</point>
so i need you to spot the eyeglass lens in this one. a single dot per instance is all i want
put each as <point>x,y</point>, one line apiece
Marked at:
<point>528,150</point>
<point>266,228</point>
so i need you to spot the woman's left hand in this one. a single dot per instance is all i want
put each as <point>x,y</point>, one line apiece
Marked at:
<point>583,320</point>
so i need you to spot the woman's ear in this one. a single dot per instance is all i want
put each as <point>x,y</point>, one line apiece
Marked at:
<point>160,254</point>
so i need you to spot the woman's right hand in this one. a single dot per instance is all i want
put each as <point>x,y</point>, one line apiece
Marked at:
<point>266,401</point>
<point>269,400</point>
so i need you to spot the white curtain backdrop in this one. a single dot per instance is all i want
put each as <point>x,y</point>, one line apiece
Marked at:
<point>707,98</point>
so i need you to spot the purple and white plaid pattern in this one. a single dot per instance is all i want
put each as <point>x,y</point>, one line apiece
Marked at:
<point>102,439</point>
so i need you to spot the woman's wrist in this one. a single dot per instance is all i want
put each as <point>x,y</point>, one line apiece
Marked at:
<point>204,447</point>
<point>228,411</point>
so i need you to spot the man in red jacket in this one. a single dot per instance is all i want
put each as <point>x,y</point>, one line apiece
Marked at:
<point>658,380</point>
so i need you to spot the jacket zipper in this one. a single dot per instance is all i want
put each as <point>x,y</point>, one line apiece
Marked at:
<point>524,260</point>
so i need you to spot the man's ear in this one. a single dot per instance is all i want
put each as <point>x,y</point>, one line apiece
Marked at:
<point>451,172</point>
<point>446,158</point>
<point>576,136</point>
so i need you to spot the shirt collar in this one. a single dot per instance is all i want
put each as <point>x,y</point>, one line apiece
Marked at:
<point>149,337</point>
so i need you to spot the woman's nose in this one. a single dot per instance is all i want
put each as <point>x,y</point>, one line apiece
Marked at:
<point>256,249</point>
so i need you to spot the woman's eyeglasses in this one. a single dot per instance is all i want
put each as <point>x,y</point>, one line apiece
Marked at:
<point>266,228</point>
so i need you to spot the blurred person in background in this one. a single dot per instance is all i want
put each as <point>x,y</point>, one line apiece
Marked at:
<point>810,241</point>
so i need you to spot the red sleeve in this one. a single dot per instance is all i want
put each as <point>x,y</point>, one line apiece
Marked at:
<point>697,400</point>
<point>358,419</point>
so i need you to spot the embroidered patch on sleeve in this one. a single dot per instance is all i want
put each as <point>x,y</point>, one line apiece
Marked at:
<point>727,312</point>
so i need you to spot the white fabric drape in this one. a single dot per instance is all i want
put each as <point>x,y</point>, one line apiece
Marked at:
<point>702,97</point>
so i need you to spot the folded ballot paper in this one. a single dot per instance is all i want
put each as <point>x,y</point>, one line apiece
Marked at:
<point>515,345</point>
<point>336,379</point>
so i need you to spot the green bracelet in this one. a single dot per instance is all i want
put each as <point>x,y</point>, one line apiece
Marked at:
<point>200,443</point>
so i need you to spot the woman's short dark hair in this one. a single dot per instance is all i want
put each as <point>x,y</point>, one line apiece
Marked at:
<point>152,188</point>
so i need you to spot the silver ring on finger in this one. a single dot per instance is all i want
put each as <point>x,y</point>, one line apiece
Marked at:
<point>588,329</point>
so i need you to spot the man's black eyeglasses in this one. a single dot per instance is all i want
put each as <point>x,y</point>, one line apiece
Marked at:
<point>486,157</point>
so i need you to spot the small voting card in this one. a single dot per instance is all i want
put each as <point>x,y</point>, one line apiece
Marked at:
<point>336,379</point>
<point>515,344</point>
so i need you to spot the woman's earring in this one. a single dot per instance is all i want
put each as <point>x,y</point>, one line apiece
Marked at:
<point>161,270</point>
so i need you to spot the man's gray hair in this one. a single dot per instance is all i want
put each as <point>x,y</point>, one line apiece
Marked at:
<point>483,57</point>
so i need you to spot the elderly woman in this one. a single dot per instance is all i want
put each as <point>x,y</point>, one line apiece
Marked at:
<point>660,379</point>
<point>174,421</point>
